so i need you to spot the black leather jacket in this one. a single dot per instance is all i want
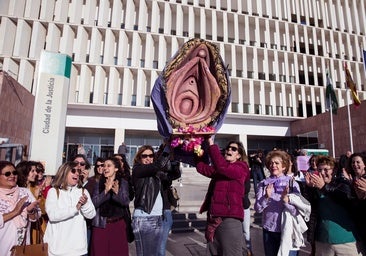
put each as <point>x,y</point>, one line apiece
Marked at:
<point>147,183</point>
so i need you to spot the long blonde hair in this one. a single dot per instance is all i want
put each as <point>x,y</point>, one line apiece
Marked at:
<point>60,180</point>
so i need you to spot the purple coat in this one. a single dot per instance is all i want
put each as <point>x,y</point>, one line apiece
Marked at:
<point>225,193</point>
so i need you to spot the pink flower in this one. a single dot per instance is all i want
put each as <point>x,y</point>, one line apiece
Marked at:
<point>190,141</point>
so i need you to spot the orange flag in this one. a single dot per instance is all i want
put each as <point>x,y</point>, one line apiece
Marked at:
<point>352,86</point>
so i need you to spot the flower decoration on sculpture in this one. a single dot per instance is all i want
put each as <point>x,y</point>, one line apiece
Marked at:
<point>190,138</point>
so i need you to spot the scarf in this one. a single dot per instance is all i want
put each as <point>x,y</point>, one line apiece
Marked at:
<point>12,196</point>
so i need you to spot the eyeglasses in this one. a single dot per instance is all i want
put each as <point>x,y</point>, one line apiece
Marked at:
<point>147,155</point>
<point>7,174</point>
<point>99,165</point>
<point>325,169</point>
<point>80,163</point>
<point>234,149</point>
<point>73,170</point>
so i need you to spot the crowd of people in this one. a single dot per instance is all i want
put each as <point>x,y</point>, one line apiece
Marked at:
<point>79,214</point>
<point>323,205</point>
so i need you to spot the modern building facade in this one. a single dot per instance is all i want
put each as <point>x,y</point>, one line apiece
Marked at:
<point>277,53</point>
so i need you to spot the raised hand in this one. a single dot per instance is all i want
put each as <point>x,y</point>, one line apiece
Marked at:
<point>269,190</point>
<point>82,200</point>
<point>115,187</point>
<point>108,185</point>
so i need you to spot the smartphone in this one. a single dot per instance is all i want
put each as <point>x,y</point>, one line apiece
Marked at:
<point>316,173</point>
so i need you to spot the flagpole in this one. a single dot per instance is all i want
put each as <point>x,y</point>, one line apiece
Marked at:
<point>349,121</point>
<point>331,111</point>
<point>348,109</point>
<point>331,126</point>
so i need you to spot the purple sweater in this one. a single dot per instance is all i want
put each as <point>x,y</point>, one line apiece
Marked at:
<point>226,190</point>
<point>272,207</point>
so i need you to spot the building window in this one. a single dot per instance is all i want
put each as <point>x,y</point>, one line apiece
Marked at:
<point>133,100</point>
<point>246,108</point>
<point>261,75</point>
<point>290,111</point>
<point>269,110</point>
<point>147,101</point>
<point>234,107</point>
<point>119,99</point>
<point>250,74</point>
<point>155,64</point>
<point>272,77</point>
<point>142,63</point>
<point>282,78</point>
<point>258,109</point>
<point>129,62</point>
<point>279,110</point>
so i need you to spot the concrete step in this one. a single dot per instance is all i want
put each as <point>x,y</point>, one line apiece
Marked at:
<point>187,222</point>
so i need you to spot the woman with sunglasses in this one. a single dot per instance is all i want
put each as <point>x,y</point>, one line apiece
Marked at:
<point>67,206</point>
<point>110,197</point>
<point>83,166</point>
<point>147,221</point>
<point>224,198</point>
<point>17,206</point>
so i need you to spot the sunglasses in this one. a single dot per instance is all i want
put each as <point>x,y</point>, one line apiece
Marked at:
<point>7,174</point>
<point>80,163</point>
<point>234,149</point>
<point>40,170</point>
<point>99,165</point>
<point>146,155</point>
<point>73,170</point>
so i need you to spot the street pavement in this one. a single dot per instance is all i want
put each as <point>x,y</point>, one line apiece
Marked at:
<point>192,189</point>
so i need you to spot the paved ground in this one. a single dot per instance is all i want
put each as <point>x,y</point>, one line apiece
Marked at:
<point>194,243</point>
<point>192,189</point>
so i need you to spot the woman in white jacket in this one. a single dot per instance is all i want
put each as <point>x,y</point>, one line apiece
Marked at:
<point>67,204</point>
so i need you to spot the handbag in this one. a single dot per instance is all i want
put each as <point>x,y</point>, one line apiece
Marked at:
<point>173,197</point>
<point>40,249</point>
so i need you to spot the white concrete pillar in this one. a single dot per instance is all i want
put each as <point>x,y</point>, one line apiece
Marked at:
<point>244,139</point>
<point>119,137</point>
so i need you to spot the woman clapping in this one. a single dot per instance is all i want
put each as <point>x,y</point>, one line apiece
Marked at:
<point>67,204</point>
